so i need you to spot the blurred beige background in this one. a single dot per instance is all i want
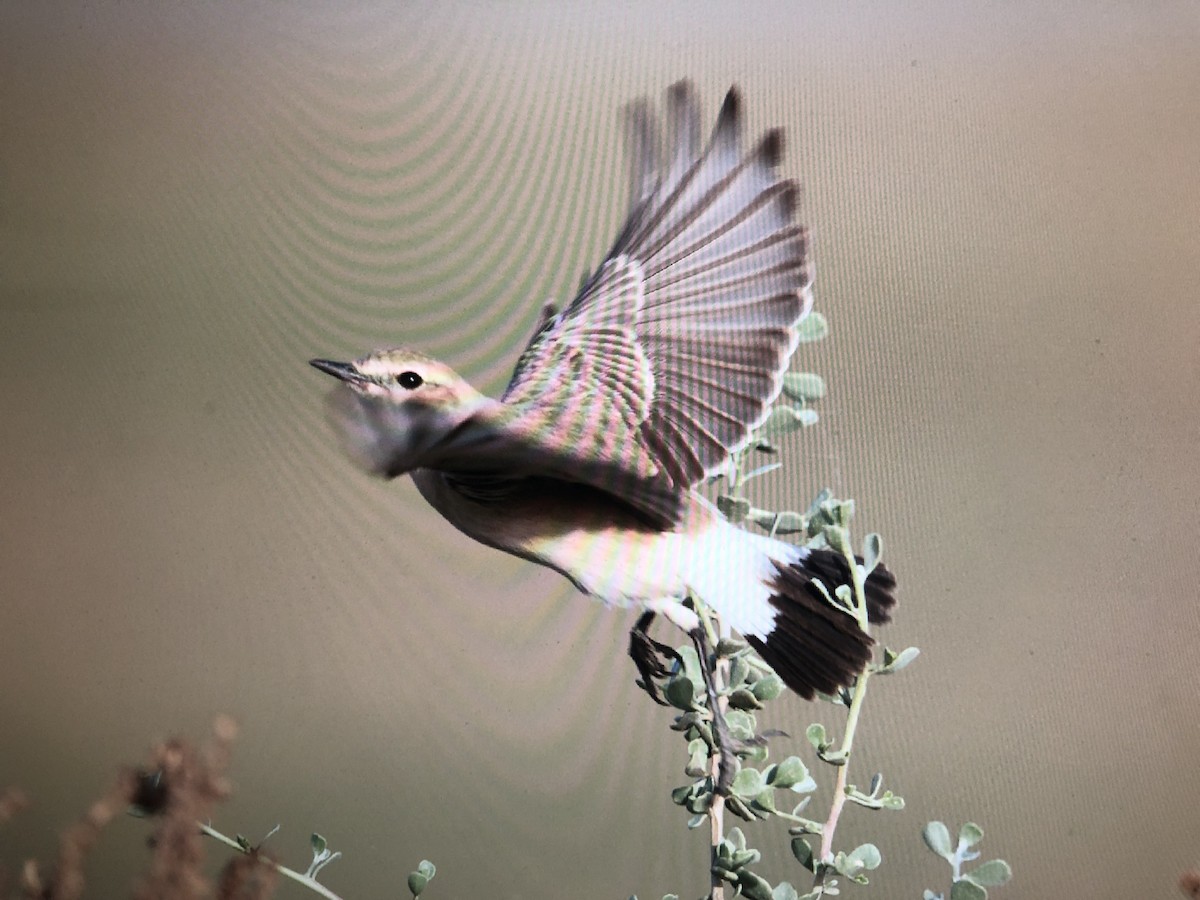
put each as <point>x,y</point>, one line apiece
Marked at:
<point>197,198</point>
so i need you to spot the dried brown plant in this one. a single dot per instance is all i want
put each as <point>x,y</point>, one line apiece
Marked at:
<point>178,787</point>
<point>1189,883</point>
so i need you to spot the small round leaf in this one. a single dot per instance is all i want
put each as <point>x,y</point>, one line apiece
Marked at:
<point>970,834</point>
<point>812,327</point>
<point>866,856</point>
<point>768,687</point>
<point>992,873</point>
<point>748,783</point>
<point>937,839</point>
<point>803,852</point>
<point>967,890</point>
<point>680,692</point>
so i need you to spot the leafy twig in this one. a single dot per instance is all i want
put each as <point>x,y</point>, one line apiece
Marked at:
<point>321,857</point>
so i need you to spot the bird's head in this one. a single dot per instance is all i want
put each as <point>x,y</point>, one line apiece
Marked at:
<point>395,408</point>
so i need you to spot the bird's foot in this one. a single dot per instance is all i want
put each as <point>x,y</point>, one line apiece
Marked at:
<point>650,657</point>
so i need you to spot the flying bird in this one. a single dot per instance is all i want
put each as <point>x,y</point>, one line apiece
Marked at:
<point>630,397</point>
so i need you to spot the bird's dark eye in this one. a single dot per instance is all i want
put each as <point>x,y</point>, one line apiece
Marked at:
<point>409,380</point>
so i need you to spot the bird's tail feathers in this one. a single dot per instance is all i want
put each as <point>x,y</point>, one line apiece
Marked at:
<point>813,645</point>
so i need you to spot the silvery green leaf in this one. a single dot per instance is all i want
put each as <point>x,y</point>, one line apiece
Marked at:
<point>784,522</point>
<point>845,512</point>
<point>728,647</point>
<point>817,737</point>
<point>754,754</point>
<point>812,327</point>
<point>739,671</point>
<point>837,538</point>
<point>736,838</point>
<point>992,873</point>
<point>765,801</point>
<point>680,692</point>
<point>417,883</point>
<point>872,551</point>
<point>744,699</point>
<point>752,886</point>
<point>697,820</point>
<point>785,420</point>
<point>803,386</point>
<point>967,890</point>
<point>845,595</point>
<point>680,795</point>
<point>806,826</point>
<point>857,796</point>
<point>748,783</point>
<point>741,724</point>
<point>891,801</point>
<point>697,765</point>
<point>937,839</point>
<point>768,687</point>
<point>865,856</point>
<point>930,895</point>
<point>818,503</point>
<point>844,866</point>
<point>803,852</point>
<point>788,773</point>
<point>319,844</point>
<point>899,660</point>
<point>784,891</point>
<point>426,868</point>
<point>744,858</point>
<point>735,509</point>
<point>691,665</point>
<point>736,806</point>
<point>969,835</point>
<point>685,721</point>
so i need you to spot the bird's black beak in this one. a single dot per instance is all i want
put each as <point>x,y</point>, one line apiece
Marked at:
<point>340,370</point>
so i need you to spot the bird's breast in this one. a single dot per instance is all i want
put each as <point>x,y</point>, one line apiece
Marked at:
<point>602,544</point>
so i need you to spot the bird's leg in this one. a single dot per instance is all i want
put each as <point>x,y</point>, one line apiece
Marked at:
<point>727,765</point>
<point>648,655</point>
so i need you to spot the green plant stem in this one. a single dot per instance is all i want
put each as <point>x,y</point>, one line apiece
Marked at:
<point>716,813</point>
<point>856,703</point>
<point>839,787</point>
<point>311,883</point>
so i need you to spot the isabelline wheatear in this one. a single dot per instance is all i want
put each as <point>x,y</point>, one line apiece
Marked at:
<point>663,365</point>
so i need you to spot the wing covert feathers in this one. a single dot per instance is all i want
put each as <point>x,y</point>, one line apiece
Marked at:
<point>692,356</point>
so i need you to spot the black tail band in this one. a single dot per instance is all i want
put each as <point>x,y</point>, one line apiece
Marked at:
<point>814,646</point>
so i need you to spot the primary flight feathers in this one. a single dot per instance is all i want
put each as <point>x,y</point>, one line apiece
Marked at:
<point>673,351</point>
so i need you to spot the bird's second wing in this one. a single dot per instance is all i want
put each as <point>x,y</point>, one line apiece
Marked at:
<point>675,348</point>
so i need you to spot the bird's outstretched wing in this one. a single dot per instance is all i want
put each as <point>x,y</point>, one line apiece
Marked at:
<point>674,349</point>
